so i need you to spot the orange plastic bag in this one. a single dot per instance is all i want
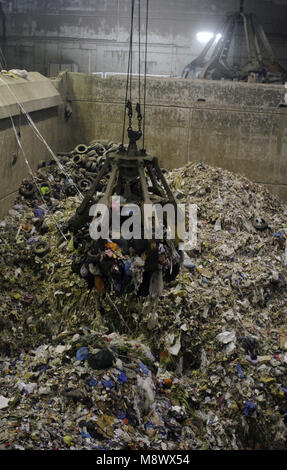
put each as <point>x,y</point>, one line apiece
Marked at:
<point>112,246</point>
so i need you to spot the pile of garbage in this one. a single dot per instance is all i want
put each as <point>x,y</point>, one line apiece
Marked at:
<point>201,367</point>
<point>88,391</point>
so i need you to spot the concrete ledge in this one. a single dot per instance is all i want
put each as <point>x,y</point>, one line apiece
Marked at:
<point>178,92</point>
<point>36,92</point>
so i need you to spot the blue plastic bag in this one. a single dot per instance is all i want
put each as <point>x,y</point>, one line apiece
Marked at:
<point>82,354</point>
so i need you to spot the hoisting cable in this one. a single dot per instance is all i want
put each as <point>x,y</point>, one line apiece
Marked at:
<point>139,1</point>
<point>133,135</point>
<point>129,68</point>
<point>145,71</point>
<point>138,107</point>
<point>131,51</point>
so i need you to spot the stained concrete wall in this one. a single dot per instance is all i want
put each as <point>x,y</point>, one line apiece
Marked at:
<point>239,127</point>
<point>94,34</point>
<point>50,122</point>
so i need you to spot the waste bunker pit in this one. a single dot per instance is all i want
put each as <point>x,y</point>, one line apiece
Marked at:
<point>204,361</point>
<point>143,228</point>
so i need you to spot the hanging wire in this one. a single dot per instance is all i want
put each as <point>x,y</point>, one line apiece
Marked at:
<point>18,139</point>
<point>129,87</point>
<point>139,1</point>
<point>40,137</point>
<point>131,48</point>
<point>129,68</point>
<point>145,70</point>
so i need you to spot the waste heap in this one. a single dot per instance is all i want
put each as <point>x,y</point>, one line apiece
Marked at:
<point>202,367</point>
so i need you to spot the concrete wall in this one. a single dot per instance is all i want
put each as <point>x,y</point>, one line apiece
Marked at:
<point>50,122</point>
<point>93,34</point>
<point>239,127</point>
